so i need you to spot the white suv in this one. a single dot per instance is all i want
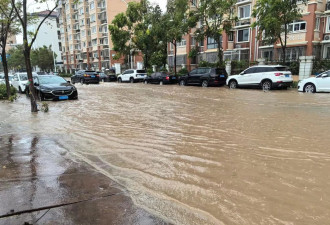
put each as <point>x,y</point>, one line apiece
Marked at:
<point>20,80</point>
<point>132,76</point>
<point>266,77</point>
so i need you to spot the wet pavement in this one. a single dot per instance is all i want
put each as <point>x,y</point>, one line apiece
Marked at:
<point>188,155</point>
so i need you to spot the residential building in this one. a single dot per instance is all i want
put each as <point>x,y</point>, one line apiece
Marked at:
<point>310,36</point>
<point>48,34</point>
<point>86,41</point>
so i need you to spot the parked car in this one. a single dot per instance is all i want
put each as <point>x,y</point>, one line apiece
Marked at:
<point>85,77</point>
<point>204,76</point>
<point>50,87</point>
<point>103,77</point>
<point>320,83</point>
<point>20,80</point>
<point>262,76</point>
<point>132,76</point>
<point>161,78</point>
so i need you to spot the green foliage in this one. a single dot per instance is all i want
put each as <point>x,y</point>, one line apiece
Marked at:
<point>44,107</point>
<point>208,64</point>
<point>183,71</point>
<point>320,66</point>
<point>16,59</point>
<point>43,58</point>
<point>3,93</point>
<point>149,71</point>
<point>65,74</point>
<point>274,16</point>
<point>295,84</point>
<point>238,66</point>
<point>216,17</point>
<point>193,53</point>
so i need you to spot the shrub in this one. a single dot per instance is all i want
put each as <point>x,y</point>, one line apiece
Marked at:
<point>3,92</point>
<point>65,74</point>
<point>183,71</point>
<point>150,71</point>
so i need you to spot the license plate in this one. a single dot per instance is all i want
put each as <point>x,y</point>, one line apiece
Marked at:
<point>287,75</point>
<point>92,76</point>
<point>222,75</point>
<point>64,97</point>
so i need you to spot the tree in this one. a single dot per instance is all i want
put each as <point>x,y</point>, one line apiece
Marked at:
<point>177,25</point>
<point>43,57</point>
<point>273,19</point>
<point>27,44</point>
<point>16,60</point>
<point>7,28</point>
<point>216,17</point>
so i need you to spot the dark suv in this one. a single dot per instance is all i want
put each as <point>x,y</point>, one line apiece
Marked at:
<point>204,76</point>
<point>85,77</point>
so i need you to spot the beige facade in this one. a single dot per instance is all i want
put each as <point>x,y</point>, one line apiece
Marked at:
<point>86,42</point>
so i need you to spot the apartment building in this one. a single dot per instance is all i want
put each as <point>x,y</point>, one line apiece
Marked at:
<point>48,34</point>
<point>310,36</point>
<point>86,42</point>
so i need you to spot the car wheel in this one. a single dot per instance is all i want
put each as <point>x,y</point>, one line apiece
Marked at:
<point>82,81</point>
<point>20,90</point>
<point>145,82</point>
<point>309,88</point>
<point>119,80</point>
<point>161,82</point>
<point>205,83</point>
<point>131,80</point>
<point>232,84</point>
<point>266,85</point>
<point>182,83</point>
<point>72,81</point>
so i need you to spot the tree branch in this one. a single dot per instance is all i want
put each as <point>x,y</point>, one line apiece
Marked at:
<point>38,28</point>
<point>16,10</point>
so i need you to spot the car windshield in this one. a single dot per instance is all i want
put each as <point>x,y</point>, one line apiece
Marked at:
<point>51,80</point>
<point>11,78</point>
<point>23,77</point>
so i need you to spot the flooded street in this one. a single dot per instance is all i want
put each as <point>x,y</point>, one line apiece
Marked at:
<point>193,155</point>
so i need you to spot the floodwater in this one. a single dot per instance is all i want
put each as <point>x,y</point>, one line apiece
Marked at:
<point>193,155</point>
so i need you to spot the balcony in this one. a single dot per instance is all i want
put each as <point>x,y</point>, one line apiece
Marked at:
<point>242,45</point>
<point>104,34</point>
<point>103,21</point>
<point>243,22</point>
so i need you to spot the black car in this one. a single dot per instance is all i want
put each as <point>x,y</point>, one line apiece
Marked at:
<point>50,87</point>
<point>107,77</point>
<point>161,78</point>
<point>205,77</point>
<point>85,77</point>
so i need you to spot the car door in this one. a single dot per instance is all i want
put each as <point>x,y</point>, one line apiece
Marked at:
<point>153,78</point>
<point>257,75</point>
<point>15,81</point>
<point>323,82</point>
<point>127,75</point>
<point>192,78</point>
<point>245,77</point>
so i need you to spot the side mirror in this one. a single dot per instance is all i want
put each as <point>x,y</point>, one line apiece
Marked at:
<point>68,82</point>
<point>36,84</point>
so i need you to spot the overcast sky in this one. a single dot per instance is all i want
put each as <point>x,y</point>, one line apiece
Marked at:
<point>161,3</point>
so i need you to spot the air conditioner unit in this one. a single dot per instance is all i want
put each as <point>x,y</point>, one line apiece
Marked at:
<point>327,37</point>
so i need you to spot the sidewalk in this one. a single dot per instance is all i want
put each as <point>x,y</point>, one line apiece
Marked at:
<point>41,184</point>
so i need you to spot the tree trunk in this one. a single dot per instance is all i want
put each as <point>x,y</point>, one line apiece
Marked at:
<point>175,49</point>
<point>33,96</point>
<point>284,57</point>
<point>5,70</point>
<point>220,54</point>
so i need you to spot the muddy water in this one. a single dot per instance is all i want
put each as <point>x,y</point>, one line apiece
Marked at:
<point>198,155</point>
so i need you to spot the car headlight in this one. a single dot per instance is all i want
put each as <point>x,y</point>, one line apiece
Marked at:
<point>46,90</point>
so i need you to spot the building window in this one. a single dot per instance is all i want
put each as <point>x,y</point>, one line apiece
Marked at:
<point>82,22</point>
<point>92,6</point>
<point>292,54</point>
<point>83,33</point>
<point>211,43</point>
<point>92,18</point>
<point>297,26</point>
<point>93,29</point>
<point>182,43</point>
<point>243,35</point>
<point>94,42</point>
<point>317,24</point>
<point>231,36</point>
<point>81,11</point>
<point>244,12</point>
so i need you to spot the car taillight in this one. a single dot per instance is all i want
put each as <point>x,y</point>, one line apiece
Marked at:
<point>85,75</point>
<point>97,75</point>
<point>167,78</point>
<point>278,74</point>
